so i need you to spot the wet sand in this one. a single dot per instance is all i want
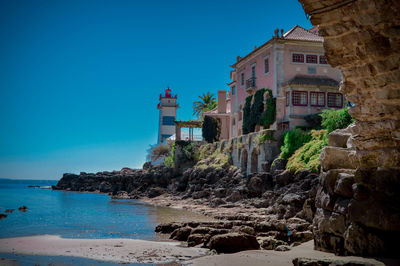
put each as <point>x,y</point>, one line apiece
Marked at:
<point>116,250</point>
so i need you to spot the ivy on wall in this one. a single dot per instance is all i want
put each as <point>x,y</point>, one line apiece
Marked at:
<point>269,115</point>
<point>254,112</point>
<point>246,127</point>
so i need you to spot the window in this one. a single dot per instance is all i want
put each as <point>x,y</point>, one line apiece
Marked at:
<point>168,120</point>
<point>164,137</point>
<point>300,98</point>
<point>297,58</point>
<point>311,59</point>
<point>253,71</point>
<point>317,99</point>
<point>233,90</point>
<point>322,60</point>
<point>242,79</point>
<point>311,70</point>
<point>287,98</point>
<point>233,121</point>
<point>335,100</point>
<point>266,65</point>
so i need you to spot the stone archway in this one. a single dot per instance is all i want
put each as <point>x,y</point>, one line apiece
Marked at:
<point>361,165</point>
<point>243,161</point>
<point>254,161</point>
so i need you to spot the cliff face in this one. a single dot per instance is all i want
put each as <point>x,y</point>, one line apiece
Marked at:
<point>358,204</point>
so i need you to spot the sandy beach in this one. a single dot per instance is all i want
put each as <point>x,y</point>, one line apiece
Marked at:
<point>116,250</point>
<point>141,251</point>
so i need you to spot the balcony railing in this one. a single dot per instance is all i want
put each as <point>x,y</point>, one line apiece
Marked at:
<point>251,83</point>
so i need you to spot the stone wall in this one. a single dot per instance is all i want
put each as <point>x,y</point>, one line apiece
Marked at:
<point>250,153</point>
<point>358,201</point>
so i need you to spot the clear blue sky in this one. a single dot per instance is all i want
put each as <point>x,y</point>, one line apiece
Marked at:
<point>79,80</point>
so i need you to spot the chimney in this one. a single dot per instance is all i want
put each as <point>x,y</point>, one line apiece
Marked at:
<point>222,101</point>
<point>281,32</point>
<point>276,33</point>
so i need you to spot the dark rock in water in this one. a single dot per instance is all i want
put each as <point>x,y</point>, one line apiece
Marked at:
<point>3,216</point>
<point>23,208</point>
<point>181,234</point>
<point>9,210</point>
<point>233,242</point>
<point>33,186</point>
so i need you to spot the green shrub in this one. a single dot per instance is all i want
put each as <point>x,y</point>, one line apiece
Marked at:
<point>307,156</point>
<point>211,129</point>
<point>292,140</point>
<point>336,119</point>
<point>169,161</point>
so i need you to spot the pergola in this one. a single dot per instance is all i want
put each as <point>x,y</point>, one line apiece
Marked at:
<point>187,124</point>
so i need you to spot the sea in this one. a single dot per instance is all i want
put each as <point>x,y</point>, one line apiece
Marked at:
<point>78,215</point>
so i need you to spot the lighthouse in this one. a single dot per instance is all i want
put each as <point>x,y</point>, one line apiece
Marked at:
<point>167,106</point>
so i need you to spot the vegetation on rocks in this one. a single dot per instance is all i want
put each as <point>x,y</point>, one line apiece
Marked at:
<point>303,148</point>
<point>293,140</point>
<point>307,156</point>
<point>170,159</point>
<point>160,151</point>
<point>336,119</point>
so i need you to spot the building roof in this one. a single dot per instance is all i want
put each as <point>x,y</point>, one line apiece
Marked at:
<point>312,80</point>
<point>297,33</point>
<point>302,34</point>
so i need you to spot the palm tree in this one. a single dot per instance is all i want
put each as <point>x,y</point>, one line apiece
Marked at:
<point>207,103</point>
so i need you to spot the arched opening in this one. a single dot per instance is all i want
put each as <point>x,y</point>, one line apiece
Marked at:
<point>243,161</point>
<point>254,161</point>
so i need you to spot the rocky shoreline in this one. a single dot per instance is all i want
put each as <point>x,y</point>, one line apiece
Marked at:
<point>271,210</point>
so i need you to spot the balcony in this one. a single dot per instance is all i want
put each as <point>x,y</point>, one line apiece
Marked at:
<point>251,84</point>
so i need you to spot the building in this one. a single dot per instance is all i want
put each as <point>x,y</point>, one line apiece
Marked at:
<point>294,67</point>
<point>223,113</point>
<point>167,106</point>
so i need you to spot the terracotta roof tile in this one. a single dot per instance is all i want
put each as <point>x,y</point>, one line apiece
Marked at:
<point>312,80</point>
<point>300,33</point>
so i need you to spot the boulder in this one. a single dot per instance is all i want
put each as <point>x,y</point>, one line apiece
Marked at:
<point>166,228</point>
<point>244,229</point>
<point>181,234</point>
<point>277,164</point>
<point>271,243</point>
<point>283,248</point>
<point>283,178</point>
<point>338,138</point>
<point>196,239</point>
<point>233,242</point>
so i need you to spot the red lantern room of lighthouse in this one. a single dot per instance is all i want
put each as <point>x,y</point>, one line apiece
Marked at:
<point>167,107</point>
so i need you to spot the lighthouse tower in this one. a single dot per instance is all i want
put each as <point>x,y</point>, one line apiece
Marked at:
<point>167,106</point>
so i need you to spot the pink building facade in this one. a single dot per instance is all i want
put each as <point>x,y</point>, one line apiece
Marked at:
<point>294,67</point>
